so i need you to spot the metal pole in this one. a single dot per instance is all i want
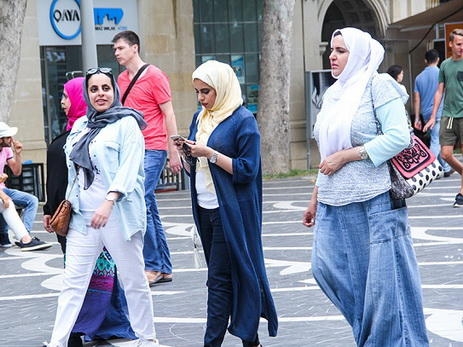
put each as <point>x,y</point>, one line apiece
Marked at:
<point>87,21</point>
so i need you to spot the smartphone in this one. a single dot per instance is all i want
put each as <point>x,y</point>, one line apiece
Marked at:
<point>177,138</point>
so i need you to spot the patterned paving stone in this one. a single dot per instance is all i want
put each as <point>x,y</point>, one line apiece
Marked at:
<point>29,282</point>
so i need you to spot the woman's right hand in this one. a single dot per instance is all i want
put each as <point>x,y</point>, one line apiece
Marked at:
<point>46,223</point>
<point>5,199</point>
<point>308,219</point>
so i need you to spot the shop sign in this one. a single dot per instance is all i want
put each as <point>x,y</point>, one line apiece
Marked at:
<point>60,20</point>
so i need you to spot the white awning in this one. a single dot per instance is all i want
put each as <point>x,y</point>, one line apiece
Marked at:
<point>417,26</point>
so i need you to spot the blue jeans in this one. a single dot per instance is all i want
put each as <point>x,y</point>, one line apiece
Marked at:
<point>155,250</point>
<point>435,145</point>
<point>27,202</point>
<point>363,260</point>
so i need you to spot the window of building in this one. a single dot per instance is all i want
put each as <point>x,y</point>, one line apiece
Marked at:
<point>229,31</point>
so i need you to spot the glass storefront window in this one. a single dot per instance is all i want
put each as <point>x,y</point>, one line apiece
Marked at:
<point>228,31</point>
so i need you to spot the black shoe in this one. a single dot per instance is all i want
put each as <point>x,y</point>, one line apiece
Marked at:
<point>449,173</point>
<point>75,340</point>
<point>6,245</point>
<point>458,201</point>
<point>5,240</point>
<point>34,245</point>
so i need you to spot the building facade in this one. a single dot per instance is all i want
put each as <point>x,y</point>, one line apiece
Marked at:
<point>178,35</point>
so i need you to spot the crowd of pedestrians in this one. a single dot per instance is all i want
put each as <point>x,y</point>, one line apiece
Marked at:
<point>119,136</point>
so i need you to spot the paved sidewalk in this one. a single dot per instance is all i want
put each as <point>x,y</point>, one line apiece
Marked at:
<point>30,282</point>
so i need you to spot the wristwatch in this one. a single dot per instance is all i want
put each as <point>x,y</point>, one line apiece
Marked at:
<point>112,198</point>
<point>213,158</point>
<point>363,153</point>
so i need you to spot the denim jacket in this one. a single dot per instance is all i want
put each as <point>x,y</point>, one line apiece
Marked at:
<point>120,150</point>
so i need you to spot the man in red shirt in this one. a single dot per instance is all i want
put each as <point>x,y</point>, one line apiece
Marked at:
<point>150,95</point>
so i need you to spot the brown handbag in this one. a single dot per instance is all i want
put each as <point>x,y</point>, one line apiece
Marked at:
<point>60,220</point>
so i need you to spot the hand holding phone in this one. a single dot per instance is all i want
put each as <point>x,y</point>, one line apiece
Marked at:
<point>176,138</point>
<point>181,143</point>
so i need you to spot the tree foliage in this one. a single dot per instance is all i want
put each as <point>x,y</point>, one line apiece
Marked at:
<point>12,13</point>
<point>275,66</point>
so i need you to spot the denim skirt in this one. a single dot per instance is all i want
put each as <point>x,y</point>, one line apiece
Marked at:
<point>363,260</point>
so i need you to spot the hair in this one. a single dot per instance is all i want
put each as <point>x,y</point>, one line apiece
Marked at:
<point>128,36</point>
<point>394,71</point>
<point>454,32</point>
<point>108,73</point>
<point>431,56</point>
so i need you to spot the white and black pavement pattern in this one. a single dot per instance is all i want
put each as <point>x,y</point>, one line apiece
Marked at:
<point>30,281</point>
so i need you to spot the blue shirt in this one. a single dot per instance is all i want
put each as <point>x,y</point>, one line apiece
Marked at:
<point>426,84</point>
<point>119,150</point>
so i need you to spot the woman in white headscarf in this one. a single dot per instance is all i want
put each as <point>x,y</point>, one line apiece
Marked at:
<point>226,191</point>
<point>363,257</point>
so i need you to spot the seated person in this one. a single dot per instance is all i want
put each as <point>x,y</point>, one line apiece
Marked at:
<point>10,155</point>
<point>8,211</point>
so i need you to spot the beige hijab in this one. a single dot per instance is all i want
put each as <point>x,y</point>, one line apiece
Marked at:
<point>223,80</point>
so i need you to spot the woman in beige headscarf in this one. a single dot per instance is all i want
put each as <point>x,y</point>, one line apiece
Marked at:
<point>223,159</point>
<point>363,256</point>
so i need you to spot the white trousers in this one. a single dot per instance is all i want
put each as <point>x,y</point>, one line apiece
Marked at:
<point>81,254</point>
<point>12,219</point>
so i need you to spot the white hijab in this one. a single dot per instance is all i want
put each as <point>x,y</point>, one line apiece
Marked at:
<point>342,99</point>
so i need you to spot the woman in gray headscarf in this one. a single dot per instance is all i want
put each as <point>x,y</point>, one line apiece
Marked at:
<point>363,257</point>
<point>104,154</point>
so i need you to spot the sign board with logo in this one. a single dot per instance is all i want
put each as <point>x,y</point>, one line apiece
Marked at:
<point>59,20</point>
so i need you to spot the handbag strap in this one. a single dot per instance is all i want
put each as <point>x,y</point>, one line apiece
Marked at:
<point>132,82</point>
<point>72,186</point>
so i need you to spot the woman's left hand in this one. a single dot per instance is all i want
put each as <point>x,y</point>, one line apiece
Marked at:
<point>101,215</point>
<point>198,149</point>
<point>332,163</point>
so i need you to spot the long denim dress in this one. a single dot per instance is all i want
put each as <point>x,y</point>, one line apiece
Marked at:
<point>363,257</point>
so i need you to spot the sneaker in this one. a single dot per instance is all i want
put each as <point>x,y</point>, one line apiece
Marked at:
<point>34,245</point>
<point>449,173</point>
<point>75,340</point>
<point>5,240</point>
<point>147,343</point>
<point>458,201</point>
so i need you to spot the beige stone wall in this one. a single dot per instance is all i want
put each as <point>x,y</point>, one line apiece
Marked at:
<point>27,110</point>
<point>298,145</point>
<point>401,9</point>
<point>166,32</point>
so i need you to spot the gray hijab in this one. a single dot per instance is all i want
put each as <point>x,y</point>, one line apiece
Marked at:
<point>96,121</point>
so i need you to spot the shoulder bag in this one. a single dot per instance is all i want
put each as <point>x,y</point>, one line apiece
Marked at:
<point>60,220</point>
<point>132,82</point>
<point>413,169</point>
